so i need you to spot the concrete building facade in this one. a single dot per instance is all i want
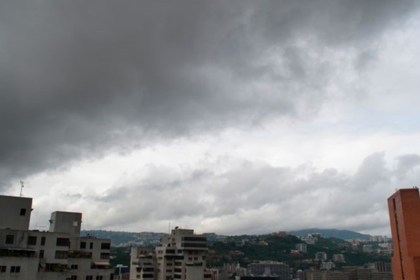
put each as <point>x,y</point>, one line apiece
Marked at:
<point>269,269</point>
<point>302,247</point>
<point>181,255</point>
<point>143,263</point>
<point>60,253</point>
<point>404,214</point>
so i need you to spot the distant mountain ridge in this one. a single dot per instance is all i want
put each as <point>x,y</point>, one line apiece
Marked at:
<point>337,233</point>
<point>120,238</point>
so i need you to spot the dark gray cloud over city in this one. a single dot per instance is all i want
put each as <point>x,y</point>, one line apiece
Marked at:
<point>226,116</point>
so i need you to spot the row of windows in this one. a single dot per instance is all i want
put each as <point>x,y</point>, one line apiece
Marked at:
<point>104,246</point>
<point>61,254</point>
<point>83,245</point>
<point>145,276</point>
<point>195,238</point>
<point>89,277</point>
<point>32,240</point>
<point>195,245</point>
<point>65,255</point>
<point>104,256</point>
<point>13,269</point>
<point>171,251</point>
<point>63,242</point>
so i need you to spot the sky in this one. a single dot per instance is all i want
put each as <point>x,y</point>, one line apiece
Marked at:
<point>234,117</point>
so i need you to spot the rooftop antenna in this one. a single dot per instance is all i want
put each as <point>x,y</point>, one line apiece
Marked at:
<point>21,188</point>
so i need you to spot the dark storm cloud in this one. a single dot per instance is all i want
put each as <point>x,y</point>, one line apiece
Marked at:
<point>78,78</point>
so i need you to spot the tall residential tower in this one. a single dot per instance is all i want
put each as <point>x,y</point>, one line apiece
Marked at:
<point>181,255</point>
<point>404,214</point>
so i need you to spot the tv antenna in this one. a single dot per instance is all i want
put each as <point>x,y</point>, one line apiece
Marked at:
<point>21,188</point>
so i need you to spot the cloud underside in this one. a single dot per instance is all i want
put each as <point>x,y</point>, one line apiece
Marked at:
<point>78,79</point>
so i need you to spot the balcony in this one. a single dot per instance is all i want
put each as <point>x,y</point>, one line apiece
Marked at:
<point>79,255</point>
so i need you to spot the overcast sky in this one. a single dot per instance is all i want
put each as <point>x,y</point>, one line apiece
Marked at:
<point>223,116</point>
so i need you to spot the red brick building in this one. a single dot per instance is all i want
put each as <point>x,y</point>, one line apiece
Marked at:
<point>404,214</point>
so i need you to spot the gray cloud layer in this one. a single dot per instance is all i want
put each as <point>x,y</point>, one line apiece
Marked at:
<point>250,197</point>
<point>78,78</point>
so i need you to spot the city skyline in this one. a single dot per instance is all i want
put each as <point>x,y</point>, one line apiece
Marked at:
<point>230,117</point>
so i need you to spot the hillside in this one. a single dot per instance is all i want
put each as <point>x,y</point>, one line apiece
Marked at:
<point>245,249</point>
<point>342,234</point>
<point>122,238</point>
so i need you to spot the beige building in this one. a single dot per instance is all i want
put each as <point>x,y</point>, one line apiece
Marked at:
<point>181,255</point>
<point>269,269</point>
<point>143,263</point>
<point>348,273</point>
<point>59,253</point>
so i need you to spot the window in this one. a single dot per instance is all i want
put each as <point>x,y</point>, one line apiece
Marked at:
<point>41,254</point>
<point>75,223</point>
<point>104,256</point>
<point>89,277</point>
<point>73,277</point>
<point>15,269</point>
<point>74,267</point>
<point>99,277</point>
<point>10,239</point>
<point>65,242</point>
<point>82,245</point>
<point>3,268</point>
<point>22,211</point>
<point>32,240</point>
<point>43,241</point>
<point>91,245</point>
<point>61,254</point>
<point>105,246</point>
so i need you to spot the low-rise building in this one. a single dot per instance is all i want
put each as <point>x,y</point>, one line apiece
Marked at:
<point>339,258</point>
<point>302,247</point>
<point>327,265</point>
<point>321,256</point>
<point>269,269</point>
<point>60,253</point>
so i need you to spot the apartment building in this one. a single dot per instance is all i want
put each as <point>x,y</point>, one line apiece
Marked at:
<point>339,258</point>
<point>181,255</point>
<point>404,214</point>
<point>143,263</point>
<point>269,269</point>
<point>349,273</point>
<point>59,253</point>
<point>320,256</point>
<point>302,247</point>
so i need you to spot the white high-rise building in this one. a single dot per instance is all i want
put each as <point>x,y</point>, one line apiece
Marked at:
<point>181,255</point>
